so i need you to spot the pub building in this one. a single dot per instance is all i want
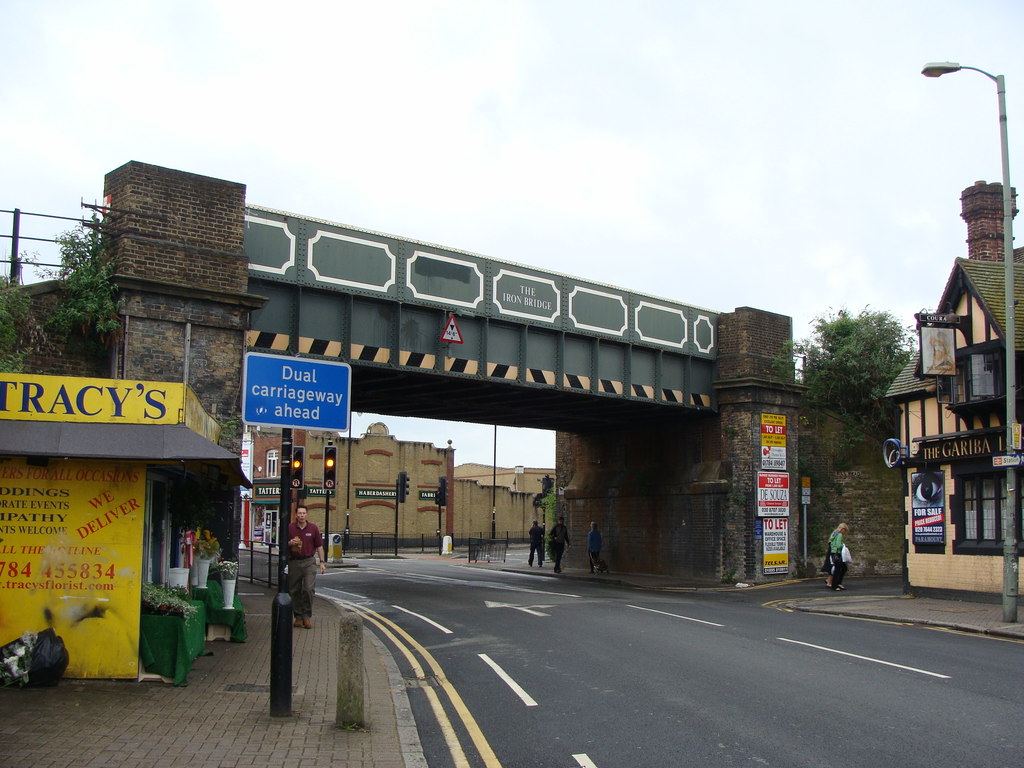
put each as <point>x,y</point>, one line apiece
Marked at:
<point>952,419</point>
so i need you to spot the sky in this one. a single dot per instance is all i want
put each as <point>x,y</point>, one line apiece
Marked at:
<point>783,155</point>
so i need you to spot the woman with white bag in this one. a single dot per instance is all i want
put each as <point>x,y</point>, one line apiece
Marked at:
<point>839,555</point>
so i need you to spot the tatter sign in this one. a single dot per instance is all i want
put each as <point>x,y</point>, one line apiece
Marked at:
<point>773,494</point>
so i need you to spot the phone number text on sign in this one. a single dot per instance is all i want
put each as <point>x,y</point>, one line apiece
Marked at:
<point>773,494</point>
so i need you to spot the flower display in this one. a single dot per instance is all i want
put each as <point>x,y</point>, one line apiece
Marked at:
<point>166,601</point>
<point>206,546</point>
<point>15,660</point>
<point>228,569</point>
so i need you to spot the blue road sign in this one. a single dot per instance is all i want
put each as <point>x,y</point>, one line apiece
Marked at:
<point>296,392</point>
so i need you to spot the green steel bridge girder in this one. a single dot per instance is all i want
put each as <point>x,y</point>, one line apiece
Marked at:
<point>538,348</point>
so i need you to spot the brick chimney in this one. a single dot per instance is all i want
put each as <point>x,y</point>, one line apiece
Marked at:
<point>982,209</point>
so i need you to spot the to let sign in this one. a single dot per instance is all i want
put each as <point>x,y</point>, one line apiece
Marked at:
<point>773,430</point>
<point>296,392</point>
<point>773,494</point>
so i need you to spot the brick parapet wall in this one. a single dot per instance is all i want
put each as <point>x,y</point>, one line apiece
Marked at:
<point>163,219</point>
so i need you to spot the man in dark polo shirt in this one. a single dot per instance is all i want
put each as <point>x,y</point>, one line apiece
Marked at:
<point>305,550</point>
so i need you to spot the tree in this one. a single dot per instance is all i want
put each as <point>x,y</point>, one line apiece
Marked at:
<point>849,363</point>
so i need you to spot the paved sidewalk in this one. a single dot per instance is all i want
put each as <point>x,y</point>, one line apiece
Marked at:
<point>983,618</point>
<point>222,718</point>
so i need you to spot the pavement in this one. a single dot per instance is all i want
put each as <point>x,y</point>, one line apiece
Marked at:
<point>222,719</point>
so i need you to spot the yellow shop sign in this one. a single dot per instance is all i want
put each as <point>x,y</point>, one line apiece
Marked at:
<point>30,397</point>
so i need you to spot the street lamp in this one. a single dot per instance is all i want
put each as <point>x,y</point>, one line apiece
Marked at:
<point>938,69</point>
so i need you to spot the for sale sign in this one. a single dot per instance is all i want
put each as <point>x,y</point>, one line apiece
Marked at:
<point>776,545</point>
<point>773,494</point>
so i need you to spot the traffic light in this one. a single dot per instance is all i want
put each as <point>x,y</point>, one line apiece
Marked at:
<point>298,466</point>
<point>546,484</point>
<point>330,467</point>
<point>441,499</point>
<point>402,486</point>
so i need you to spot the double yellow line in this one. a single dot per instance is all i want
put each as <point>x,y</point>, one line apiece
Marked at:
<point>405,643</point>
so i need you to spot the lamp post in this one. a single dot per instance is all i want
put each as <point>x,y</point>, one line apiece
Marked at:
<point>938,69</point>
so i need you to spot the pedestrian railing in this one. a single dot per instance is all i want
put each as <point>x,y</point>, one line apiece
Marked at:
<point>488,550</point>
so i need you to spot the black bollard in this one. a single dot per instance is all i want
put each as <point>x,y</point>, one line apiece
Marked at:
<point>281,656</point>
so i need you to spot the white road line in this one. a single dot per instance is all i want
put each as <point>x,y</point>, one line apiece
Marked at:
<point>584,761</point>
<point>431,622</point>
<point>677,616</point>
<point>516,688</point>
<point>864,658</point>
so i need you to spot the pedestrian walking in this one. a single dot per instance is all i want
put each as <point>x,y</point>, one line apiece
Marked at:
<point>537,544</point>
<point>305,550</point>
<point>835,553</point>
<point>559,541</point>
<point>593,545</point>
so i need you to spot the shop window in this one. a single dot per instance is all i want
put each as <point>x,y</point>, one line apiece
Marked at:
<point>273,463</point>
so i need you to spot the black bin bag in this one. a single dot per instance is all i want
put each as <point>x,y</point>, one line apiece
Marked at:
<point>49,659</point>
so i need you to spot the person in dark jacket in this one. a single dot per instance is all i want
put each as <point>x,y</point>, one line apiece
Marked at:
<point>559,541</point>
<point>537,544</point>
<point>593,545</point>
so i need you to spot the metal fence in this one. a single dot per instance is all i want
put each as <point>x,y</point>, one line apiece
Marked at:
<point>258,562</point>
<point>490,550</point>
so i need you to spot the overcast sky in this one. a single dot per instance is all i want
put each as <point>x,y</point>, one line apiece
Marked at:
<point>782,155</point>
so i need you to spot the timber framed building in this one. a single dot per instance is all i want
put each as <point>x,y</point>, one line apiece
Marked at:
<point>952,409</point>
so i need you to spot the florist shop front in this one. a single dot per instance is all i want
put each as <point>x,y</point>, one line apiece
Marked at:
<point>99,480</point>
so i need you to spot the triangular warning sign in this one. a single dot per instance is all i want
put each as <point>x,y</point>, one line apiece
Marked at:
<point>451,331</point>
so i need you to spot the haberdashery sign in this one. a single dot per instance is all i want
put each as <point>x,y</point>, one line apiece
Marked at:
<point>773,494</point>
<point>775,558</point>
<point>928,507</point>
<point>71,559</point>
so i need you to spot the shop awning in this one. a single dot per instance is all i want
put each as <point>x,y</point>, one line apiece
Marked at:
<point>158,443</point>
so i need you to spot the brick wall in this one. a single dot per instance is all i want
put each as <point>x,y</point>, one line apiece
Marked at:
<point>851,484</point>
<point>182,277</point>
<point>177,227</point>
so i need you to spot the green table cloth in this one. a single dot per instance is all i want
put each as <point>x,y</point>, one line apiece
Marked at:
<point>168,644</point>
<point>216,613</point>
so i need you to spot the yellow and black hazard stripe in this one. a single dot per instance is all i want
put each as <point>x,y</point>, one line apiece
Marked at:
<point>573,381</point>
<point>672,395</point>
<point>417,360</point>
<point>266,340</point>
<point>643,390</point>
<point>611,387</point>
<point>323,347</point>
<point>502,371</point>
<point>369,354</point>
<point>461,365</point>
<point>540,376</point>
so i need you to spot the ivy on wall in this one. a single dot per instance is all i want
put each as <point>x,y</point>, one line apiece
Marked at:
<point>86,315</point>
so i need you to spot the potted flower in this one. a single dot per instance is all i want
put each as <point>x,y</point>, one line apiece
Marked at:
<point>228,570</point>
<point>206,549</point>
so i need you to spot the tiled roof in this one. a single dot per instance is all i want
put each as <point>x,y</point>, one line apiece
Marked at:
<point>906,383</point>
<point>988,279</point>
